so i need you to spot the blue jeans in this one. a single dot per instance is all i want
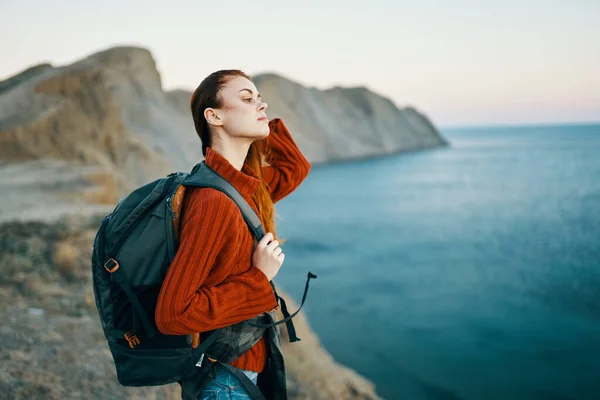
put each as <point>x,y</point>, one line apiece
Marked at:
<point>225,386</point>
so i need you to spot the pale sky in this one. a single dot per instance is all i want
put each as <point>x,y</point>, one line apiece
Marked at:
<point>461,62</point>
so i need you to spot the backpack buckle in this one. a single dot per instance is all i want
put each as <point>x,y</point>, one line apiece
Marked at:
<point>276,308</point>
<point>132,339</point>
<point>111,265</point>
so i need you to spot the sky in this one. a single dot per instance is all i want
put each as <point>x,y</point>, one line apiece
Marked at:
<point>460,62</point>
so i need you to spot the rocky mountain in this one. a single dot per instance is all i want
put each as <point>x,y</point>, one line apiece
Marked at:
<point>345,123</point>
<point>109,113</point>
<point>73,140</point>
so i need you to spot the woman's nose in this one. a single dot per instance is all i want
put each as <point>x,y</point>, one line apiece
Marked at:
<point>263,106</point>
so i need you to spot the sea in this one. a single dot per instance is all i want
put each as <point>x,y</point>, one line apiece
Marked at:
<point>470,271</point>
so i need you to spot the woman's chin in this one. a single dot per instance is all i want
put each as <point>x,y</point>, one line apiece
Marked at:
<point>264,133</point>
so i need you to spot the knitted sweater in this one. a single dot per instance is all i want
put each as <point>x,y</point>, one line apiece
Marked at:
<point>211,282</point>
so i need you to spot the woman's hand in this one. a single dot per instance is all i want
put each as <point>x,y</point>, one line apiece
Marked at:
<point>268,256</point>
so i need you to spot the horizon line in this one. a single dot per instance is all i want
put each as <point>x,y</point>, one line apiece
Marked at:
<point>516,124</point>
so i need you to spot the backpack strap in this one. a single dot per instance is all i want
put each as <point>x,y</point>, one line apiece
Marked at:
<point>203,176</point>
<point>120,278</point>
<point>287,317</point>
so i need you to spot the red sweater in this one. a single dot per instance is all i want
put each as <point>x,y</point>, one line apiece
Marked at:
<point>212,282</point>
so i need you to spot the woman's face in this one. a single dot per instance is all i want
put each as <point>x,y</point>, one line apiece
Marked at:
<point>243,111</point>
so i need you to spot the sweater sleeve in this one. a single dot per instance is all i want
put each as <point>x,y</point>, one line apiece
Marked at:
<point>210,237</point>
<point>288,166</point>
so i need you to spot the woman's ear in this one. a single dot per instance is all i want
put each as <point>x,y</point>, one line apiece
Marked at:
<point>212,116</point>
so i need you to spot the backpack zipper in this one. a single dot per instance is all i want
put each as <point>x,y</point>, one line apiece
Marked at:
<point>170,207</point>
<point>169,227</point>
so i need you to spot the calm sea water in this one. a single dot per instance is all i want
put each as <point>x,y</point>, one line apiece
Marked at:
<point>468,272</point>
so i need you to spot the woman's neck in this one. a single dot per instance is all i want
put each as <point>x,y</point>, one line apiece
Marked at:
<point>234,152</point>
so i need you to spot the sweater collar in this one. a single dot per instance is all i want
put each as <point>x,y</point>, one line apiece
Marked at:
<point>245,181</point>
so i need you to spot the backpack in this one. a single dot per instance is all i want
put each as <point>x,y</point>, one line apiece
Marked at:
<point>132,251</point>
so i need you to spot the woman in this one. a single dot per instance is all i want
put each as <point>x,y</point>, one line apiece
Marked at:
<point>218,277</point>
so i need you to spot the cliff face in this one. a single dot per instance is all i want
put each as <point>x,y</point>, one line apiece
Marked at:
<point>345,123</point>
<point>73,140</point>
<point>108,109</point>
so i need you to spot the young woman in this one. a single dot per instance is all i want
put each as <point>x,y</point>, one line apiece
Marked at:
<point>218,277</point>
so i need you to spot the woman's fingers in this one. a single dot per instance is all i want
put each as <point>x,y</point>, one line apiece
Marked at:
<point>265,240</point>
<point>273,245</point>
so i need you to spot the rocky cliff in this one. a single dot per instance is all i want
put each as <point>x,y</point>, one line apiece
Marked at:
<point>345,123</point>
<point>73,140</point>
